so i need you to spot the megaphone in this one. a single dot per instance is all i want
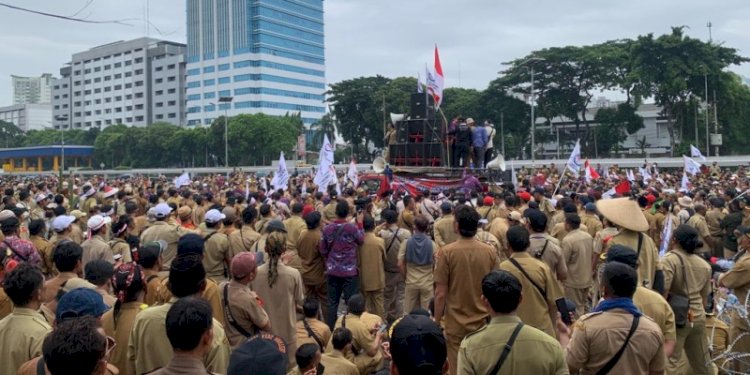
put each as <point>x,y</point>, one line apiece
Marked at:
<point>378,165</point>
<point>497,163</point>
<point>396,117</point>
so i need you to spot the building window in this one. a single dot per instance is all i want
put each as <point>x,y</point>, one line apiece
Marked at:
<point>128,119</point>
<point>108,100</point>
<point>138,71</point>
<point>171,79</point>
<point>117,65</point>
<point>118,109</point>
<point>138,83</point>
<point>118,87</point>
<point>172,115</point>
<point>139,118</point>
<point>107,89</point>
<point>97,90</point>
<point>107,67</point>
<point>87,82</point>
<point>97,79</point>
<point>98,101</point>
<point>224,67</point>
<point>128,74</point>
<point>159,68</point>
<point>171,91</point>
<point>171,66</point>
<point>128,62</point>
<point>172,102</point>
<point>159,104</point>
<point>159,92</point>
<point>118,98</point>
<point>118,75</point>
<point>209,82</point>
<point>97,69</point>
<point>128,97</point>
<point>138,95</point>
<point>138,107</point>
<point>159,117</point>
<point>159,80</point>
<point>138,60</point>
<point>128,85</point>
<point>107,78</point>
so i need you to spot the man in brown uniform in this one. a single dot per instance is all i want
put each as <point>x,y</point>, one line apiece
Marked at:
<point>444,232</point>
<point>628,217</point>
<point>310,329</point>
<point>416,260</point>
<point>615,323</point>
<point>37,233</point>
<point>217,256</point>
<point>578,251</point>
<point>458,279</point>
<point>698,221</point>
<point>336,361</point>
<point>591,220</point>
<point>538,308</point>
<point>243,309</point>
<point>244,238</point>
<point>714,218</point>
<point>294,226</point>
<point>393,235</point>
<point>313,264</point>
<point>738,278</point>
<point>406,217</point>
<point>372,275</point>
<point>544,247</point>
<point>96,248</point>
<point>368,357</point>
<point>545,205</point>
<point>162,229</point>
<point>67,260</point>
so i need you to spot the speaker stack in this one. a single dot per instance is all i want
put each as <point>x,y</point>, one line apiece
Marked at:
<point>419,139</point>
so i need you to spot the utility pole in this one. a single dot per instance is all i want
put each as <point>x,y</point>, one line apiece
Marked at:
<point>716,124</point>
<point>502,134</point>
<point>533,119</point>
<point>708,142</point>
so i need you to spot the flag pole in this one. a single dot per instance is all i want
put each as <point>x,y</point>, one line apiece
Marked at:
<point>559,182</point>
<point>445,136</point>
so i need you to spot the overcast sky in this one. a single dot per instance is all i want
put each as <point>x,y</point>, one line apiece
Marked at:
<point>388,37</point>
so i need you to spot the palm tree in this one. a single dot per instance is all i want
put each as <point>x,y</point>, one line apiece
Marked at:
<point>323,127</point>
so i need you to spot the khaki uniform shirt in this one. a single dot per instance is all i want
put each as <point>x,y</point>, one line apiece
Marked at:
<point>95,249</point>
<point>121,248</point>
<point>698,282</point>
<point>713,219</point>
<point>76,234</point>
<point>313,264</point>
<point>653,305</point>
<point>153,284</point>
<point>294,227</point>
<point>557,218</point>
<point>548,209</point>
<point>444,233</point>
<point>44,248</point>
<point>53,285</point>
<point>246,308</point>
<point>210,294</point>
<point>392,245</point>
<point>499,228</point>
<point>698,222</point>
<point>30,368</point>
<point>480,350</point>
<point>597,336</point>
<point>650,219</point>
<point>336,363</point>
<point>121,333</point>
<point>536,310</point>
<point>216,257</point>
<point>738,278</point>
<point>552,255</point>
<point>406,220</point>
<point>720,332</point>
<point>372,260</point>
<point>489,239</point>
<point>140,223</point>
<point>21,334</point>
<point>591,222</point>
<point>171,233</point>
<point>602,238</point>
<point>6,306</point>
<point>329,211</point>
<point>461,267</point>
<point>578,250</point>
<point>559,231</point>
<point>362,340</point>
<point>498,212</point>
<point>149,347</point>
<point>318,328</point>
<point>243,239</point>
<point>184,365</point>
<point>418,275</point>
<point>87,204</point>
<point>648,261</point>
<point>281,301</point>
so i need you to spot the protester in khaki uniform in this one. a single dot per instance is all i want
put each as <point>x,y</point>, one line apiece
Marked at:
<point>336,361</point>
<point>538,309</point>
<point>294,226</point>
<point>443,228</point>
<point>217,256</point>
<point>416,260</point>
<point>479,353</point>
<point>149,257</point>
<point>243,309</point>
<point>545,248</point>
<point>372,277</point>
<point>578,251</point>
<point>718,332</point>
<point>313,264</point>
<point>406,217</point>
<point>23,331</point>
<point>365,353</point>
<point>281,290</point>
<point>310,329</point>
<point>393,235</point>
<point>161,229</point>
<point>67,260</point>
<point>499,208</point>
<point>149,346</point>
<point>650,303</point>
<point>129,284</point>
<point>591,220</point>
<point>714,217</point>
<point>36,236</point>
<point>698,221</point>
<point>686,274</point>
<point>560,230</point>
<point>599,336</point>
<point>738,278</point>
<point>244,238</point>
<point>544,203</point>
<point>628,217</point>
<point>95,248</point>
<point>458,273</point>
<point>118,244</point>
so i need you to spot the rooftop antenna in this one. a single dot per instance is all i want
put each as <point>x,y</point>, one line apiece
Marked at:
<point>709,25</point>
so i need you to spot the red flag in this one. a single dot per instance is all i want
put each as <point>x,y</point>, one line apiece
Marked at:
<point>591,173</point>
<point>623,187</point>
<point>437,83</point>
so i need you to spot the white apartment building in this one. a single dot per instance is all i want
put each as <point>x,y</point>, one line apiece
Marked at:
<point>27,116</point>
<point>32,90</point>
<point>137,82</point>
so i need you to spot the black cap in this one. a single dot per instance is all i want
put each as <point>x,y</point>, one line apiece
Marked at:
<point>11,222</point>
<point>418,345</point>
<point>262,354</point>
<point>622,254</point>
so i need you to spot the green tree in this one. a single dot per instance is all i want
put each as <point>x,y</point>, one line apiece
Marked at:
<point>615,124</point>
<point>324,126</point>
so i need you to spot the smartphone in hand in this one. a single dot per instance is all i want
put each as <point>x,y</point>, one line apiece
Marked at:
<point>562,307</point>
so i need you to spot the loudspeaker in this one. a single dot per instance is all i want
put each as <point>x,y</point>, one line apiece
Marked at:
<point>402,132</point>
<point>422,106</point>
<point>433,132</point>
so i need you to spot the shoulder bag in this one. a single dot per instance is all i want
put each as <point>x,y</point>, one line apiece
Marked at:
<point>538,288</point>
<point>230,317</point>
<point>506,349</point>
<point>612,362</point>
<point>680,304</point>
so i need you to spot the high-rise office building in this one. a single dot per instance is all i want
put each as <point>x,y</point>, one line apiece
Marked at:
<point>266,54</point>
<point>137,82</point>
<point>32,90</point>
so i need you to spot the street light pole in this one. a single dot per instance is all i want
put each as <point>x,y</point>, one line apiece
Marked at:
<point>62,144</point>
<point>533,119</point>
<point>226,99</point>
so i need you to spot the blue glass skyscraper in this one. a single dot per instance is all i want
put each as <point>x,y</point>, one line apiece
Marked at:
<point>267,54</point>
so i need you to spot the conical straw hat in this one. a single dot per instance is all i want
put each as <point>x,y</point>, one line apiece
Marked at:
<point>623,212</point>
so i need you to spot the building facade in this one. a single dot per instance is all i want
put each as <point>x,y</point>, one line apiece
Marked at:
<point>32,90</point>
<point>27,116</point>
<point>268,55</point>
<point>136,82</point>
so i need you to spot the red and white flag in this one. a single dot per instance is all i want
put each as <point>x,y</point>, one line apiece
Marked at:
<point>436,80</point>
<point>591,173</point>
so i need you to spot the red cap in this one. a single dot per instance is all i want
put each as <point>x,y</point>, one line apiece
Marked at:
<point>525,196</point>
<point>307,209</point>
<point>488,201</point>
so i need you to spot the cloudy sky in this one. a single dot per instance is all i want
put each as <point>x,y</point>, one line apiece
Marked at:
<point>388,37</point>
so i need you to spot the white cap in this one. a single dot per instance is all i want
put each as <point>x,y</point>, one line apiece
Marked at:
<point>62,222</point>
<point>162,210</point>
<point>214,216</point>
<point>95,222</point>
<point>6,214</point>
<point>40,197</point>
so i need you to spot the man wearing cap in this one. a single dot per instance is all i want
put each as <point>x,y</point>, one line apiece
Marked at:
<point>185,214</point>
<point>161,229</point>
<point>264,353</point>
<point>294,226</point>
<point>62,227</point>
<point>336,360</point>
<point>89,201</point>
<point>738,278</point>
<point>21,250</point>
<point>149,258</point>
<point>217,257</point>
<point>445,234</point>
<point>243,309</point>
<point>95,247</point>
<point>686,209</point>
<point>417,346</point>
<point>459,269</point>
<point>590,219</point>
<point>37,213</point>
<point>531,350</point>
<point>23,331</point>
<point>578,251</point>
<point>628,217</point>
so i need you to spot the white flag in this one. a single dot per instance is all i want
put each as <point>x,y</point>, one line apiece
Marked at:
<point>666,236</point>
<point>685,184</point>
<point>324,164</point>
<point>696,153</point>
<point>182,180</point>
<point>645,173</point>
<point>352,174</point>
<point>691,166</point>
<point>631,176</point>
<point>247,191</point>
<point>264,186</point>
<point>304,187</point>
<point>609,194</point>
<point>513,176</point>
<point>574,161</point>
<point>281,178</point>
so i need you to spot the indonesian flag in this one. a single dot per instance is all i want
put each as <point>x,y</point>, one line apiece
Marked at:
<point>436,81</point>
<point>623,187</point>
<point>590,172</point>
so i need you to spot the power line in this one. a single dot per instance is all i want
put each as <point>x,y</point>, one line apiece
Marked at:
<point>118,22</point>
<point>82,9</point>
